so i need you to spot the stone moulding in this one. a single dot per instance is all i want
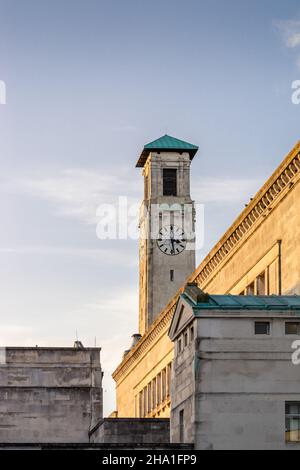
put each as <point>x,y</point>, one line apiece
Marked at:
<point>271,193</point>
<point>276,187</point>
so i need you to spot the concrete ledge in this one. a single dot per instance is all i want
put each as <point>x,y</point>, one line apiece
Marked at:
<point>95,446</point>
<point>131,431</point>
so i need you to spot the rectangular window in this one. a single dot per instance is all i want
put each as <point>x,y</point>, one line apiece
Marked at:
<point>292,328</point>
<point>169,182</point>
<point>179,346</point>
<point>250,289</point>
<point>145,401</point>
<point>158,392</point>
<point>181,426</point>
<point>149,397</point>
<point>136,406</point>
<point>141,404</point>
<point>262,328</point>
<point>146,188</point>
<point>172,275</point>
<point>292,421</point>
<point>192,333</point>
<point>261,284</point>
<point>185,339</point>
<point>164,384</point>
<point>169,370</point>
<point>154,394</point>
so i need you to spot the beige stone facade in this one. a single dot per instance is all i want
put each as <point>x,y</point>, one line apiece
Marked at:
<point>258,254</point>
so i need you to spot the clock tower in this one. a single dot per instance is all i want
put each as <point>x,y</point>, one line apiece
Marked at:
<point>167,220</point>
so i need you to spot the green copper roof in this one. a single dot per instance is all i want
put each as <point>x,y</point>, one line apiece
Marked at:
<point>167,143</point>
<point>248,302</point>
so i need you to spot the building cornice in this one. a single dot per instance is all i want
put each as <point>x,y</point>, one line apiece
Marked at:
<point>264,202</point>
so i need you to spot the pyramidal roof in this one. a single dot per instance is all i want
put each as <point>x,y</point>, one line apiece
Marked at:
<point>166,143</point>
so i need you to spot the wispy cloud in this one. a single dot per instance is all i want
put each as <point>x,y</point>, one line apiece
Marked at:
<point>290,33</point>
<point>113,256</point>
<point>78,192</point>
<point>228,190</point>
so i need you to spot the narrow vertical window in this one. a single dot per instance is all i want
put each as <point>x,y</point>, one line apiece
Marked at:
<point>169,370</point>
<point>250,289</point>
<point>145,401</point>
<point>192,333</point>
<point>136,406</point>
<point>158,393</point>
<point>146,188</point>
<point>164,384</point>
<point>141,404</point>
<point>292,421</point>
<point>171,275</point>
<point>153,394</point>
<point>169,182</point>
<point>181,426</point>
<point>261,284</point>
<point>149,397</point>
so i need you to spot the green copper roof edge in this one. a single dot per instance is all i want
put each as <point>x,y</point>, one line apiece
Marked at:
<point>166,143</point>
<point>169,142</point>
<point>237,306</point>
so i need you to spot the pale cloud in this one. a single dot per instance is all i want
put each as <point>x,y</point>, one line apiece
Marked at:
<point>111,315</point>
<point>77,192</point>
<point>290,31</point>
<point>113,256</point>
<point>223,190</point>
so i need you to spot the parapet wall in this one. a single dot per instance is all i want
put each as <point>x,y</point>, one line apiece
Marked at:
<point>132,431</point>
<point>49,394</point>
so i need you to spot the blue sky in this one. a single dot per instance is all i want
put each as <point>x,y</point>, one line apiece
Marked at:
<point>88,84</point>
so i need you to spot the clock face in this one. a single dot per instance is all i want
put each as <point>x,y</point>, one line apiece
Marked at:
<point>171,240</point>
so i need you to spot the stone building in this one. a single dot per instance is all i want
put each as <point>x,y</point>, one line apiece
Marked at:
<point>258,254</point>
<point>132,431</point>
<point>234,385</point>
<point>163,266</point>
<point>49,394</point>
<point>167,214</point>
